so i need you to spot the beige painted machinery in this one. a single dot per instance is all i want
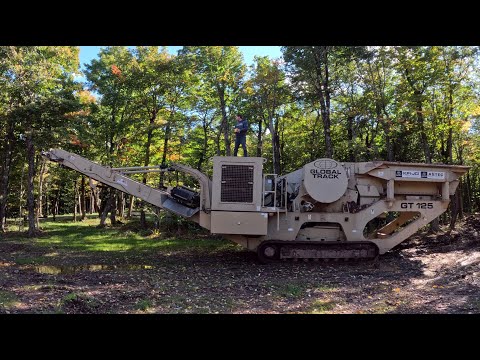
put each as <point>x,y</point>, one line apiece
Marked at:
<point>325,210</point>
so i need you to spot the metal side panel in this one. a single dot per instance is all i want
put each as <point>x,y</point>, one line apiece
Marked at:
<point>243,223</point>
<point>368,190</point>
<point>179,209</point>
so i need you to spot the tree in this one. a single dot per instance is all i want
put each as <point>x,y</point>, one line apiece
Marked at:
<point>310,68</point>
<point>377,80</point>
<point>269,95</point>
<point>39,80</point>
<point>149,79</point>
<point>222,69</point>
<point>111,77</point>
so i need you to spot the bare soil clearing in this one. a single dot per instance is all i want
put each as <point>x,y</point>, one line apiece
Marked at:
<point>436,273</point>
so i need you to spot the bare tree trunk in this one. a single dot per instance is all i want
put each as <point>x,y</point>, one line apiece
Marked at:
<point>469,192</point>
<point>273,127</point>
<point>276,152</point>
<point>113,207</point>
<point>32,230</point>
<point>225,127</point>
<point>435,224</point>
<point>386,130</point>
<point>455,198</point>
<point>130,207</point>
<point>351,152</point>
<point>454,211</point>
<point>105,195</point>
<point>165,151</point>
<point>460,199</point>
<point>121,205</point>
<point>46,202</point>
<point>96,199</point>
<point>20,208</point>
<point>143,220</point>
<point>75,200</point>
<point>92,202</point>
<point>57,207</point>
<point>423,135</point>
<point>217,143</point>
<point>388,139</point>
<point>320,54</point>
<point>103,215</point>
<point>450,128</point>
<point>83,199</point>
<point>40,189</point>
<point>5,174</point>
<point>313,141</point>
<point>3,197</point>
<point>55,201</point>
<point>205,143</point>
<point>259,138</point>
<point>420,118</point>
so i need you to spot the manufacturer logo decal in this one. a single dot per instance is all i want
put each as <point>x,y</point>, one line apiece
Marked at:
<point>325,174</point>
<point>416,174</point>
<point>325,164</point>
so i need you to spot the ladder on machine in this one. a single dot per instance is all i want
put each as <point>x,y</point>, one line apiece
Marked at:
<point>283,199</point>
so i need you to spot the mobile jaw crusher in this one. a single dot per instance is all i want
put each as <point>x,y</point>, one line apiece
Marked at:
<point>324,210</point>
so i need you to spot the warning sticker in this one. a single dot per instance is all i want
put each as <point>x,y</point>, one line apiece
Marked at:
<point>417,174</point>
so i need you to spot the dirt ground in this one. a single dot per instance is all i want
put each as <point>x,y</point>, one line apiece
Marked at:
<point>426,274</point>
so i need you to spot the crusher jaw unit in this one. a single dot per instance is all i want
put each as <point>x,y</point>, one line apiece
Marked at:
<point>324,210</point>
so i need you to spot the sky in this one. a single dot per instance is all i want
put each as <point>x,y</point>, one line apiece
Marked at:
<point>87,53</point>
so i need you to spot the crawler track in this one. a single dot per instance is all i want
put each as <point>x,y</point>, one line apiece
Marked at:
<point>272,251</point>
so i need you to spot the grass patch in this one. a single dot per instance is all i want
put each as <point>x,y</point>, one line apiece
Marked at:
<point>30,260</point>
<point>291,290</point>
<point>79,303</point>
<point>322,306</point>
<point>143,304</point>
<point>69,297</point>
<point>7,299</point>
<point>382,308</point>
<point>86,236</point>
<point>230,304</point>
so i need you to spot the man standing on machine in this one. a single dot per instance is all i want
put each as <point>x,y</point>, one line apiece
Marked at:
<point>241,135</point>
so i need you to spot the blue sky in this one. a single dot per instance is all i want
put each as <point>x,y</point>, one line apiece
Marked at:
<point>87,53</point>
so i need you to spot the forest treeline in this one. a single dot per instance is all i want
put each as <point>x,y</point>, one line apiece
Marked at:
<point>144,106</point>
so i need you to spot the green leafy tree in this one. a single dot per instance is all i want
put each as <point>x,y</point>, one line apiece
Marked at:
<point>39,81</point>
<point>312,73</point>
<point>223,70</point>
<point>269,97</point>
<point>111,77</point>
